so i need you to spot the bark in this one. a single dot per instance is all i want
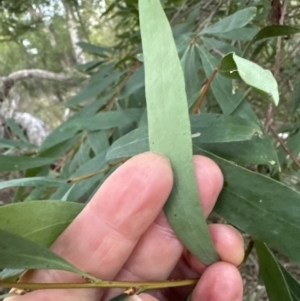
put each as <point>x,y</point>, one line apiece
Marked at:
<point>9,81</point>
<point>74,35</point>
<point>36,130</point>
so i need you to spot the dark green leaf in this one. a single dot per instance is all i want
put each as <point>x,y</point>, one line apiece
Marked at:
<point>260,206</point>
<point>260,79</point>
<point>169,128</point>
<point>191,65</point>
<point>271,32</point>
<point>35,181</point>
<point>13,163</point>
<point>272,275</point>
<point>8,143</point>
<point>69,128</point>
<point>237,20</point>
<point>136,81</point>
<point>217,128</point>
<point>213,44</point>
<point>239,34</point>
<point>97,84</point>
<point>17,252</point>
<point>38,221</point>
<point>294,285</point>
<point>255,151</point>
<point>108,120</point>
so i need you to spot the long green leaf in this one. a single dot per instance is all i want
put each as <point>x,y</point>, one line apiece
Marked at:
<point>169,128</point>
<point>19,253</point>
<point>232,138</point>
<point>108,120</point>
<point>260,79</point>
<point>191,65</point>
<point>70,127</point>
<point>260,206</point>
<point>38,221</point>
<point>13,163</point>
<point>34,181</point>
<point>239,34</point>
<point>8,143</point>
<point>271,32</point>
<point>274,280</point>
<point>294,285</point>
<point>237,20</point>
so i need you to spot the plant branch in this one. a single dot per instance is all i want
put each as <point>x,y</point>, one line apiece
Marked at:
<point>286,149</point>
<point>203,92</point>
<point>28,287</point>
<point>92,174</point>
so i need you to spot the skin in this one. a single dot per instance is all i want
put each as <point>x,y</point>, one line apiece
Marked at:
<point>122,234</point>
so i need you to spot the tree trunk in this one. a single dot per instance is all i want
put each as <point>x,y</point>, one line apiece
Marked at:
<point>74,35</point>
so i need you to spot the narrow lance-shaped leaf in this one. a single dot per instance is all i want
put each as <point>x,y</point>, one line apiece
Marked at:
<point>272,275</point>
<point>260,79</point>
<point>294,285</point>
<point>237,20</point>
<point>260,206</point>
<point>271,32</point>
<point>12,163</point>
<point>18,253</point>
<point>38,221</point>
<point>169,128</point>
<point>35,181</point>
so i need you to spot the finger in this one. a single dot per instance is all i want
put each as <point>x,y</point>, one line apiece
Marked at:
<point>220,282</point>
<point>102,237</point>
<point>159,249</point>
<point>228,243</point>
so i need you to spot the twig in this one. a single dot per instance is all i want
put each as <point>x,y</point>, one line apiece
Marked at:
<point>286,149</point>
<point>208,19</point>
<point>178,11</point>
<point>92,174</point>
<point>28,286</point>
<point>247,252</point>
<point>204,90</point>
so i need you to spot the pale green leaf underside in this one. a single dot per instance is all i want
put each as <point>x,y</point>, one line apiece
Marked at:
<point>260,79</point>
<point>169,128</point>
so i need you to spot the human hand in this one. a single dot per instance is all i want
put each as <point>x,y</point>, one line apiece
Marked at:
<point>122,234</point>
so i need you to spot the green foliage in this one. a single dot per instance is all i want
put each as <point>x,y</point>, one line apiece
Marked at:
<point>224,60</point>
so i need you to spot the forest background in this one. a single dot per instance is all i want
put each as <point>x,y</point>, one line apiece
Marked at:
<point>64,61</point>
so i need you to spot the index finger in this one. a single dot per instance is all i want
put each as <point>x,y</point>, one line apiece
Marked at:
<point>103,235</point>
